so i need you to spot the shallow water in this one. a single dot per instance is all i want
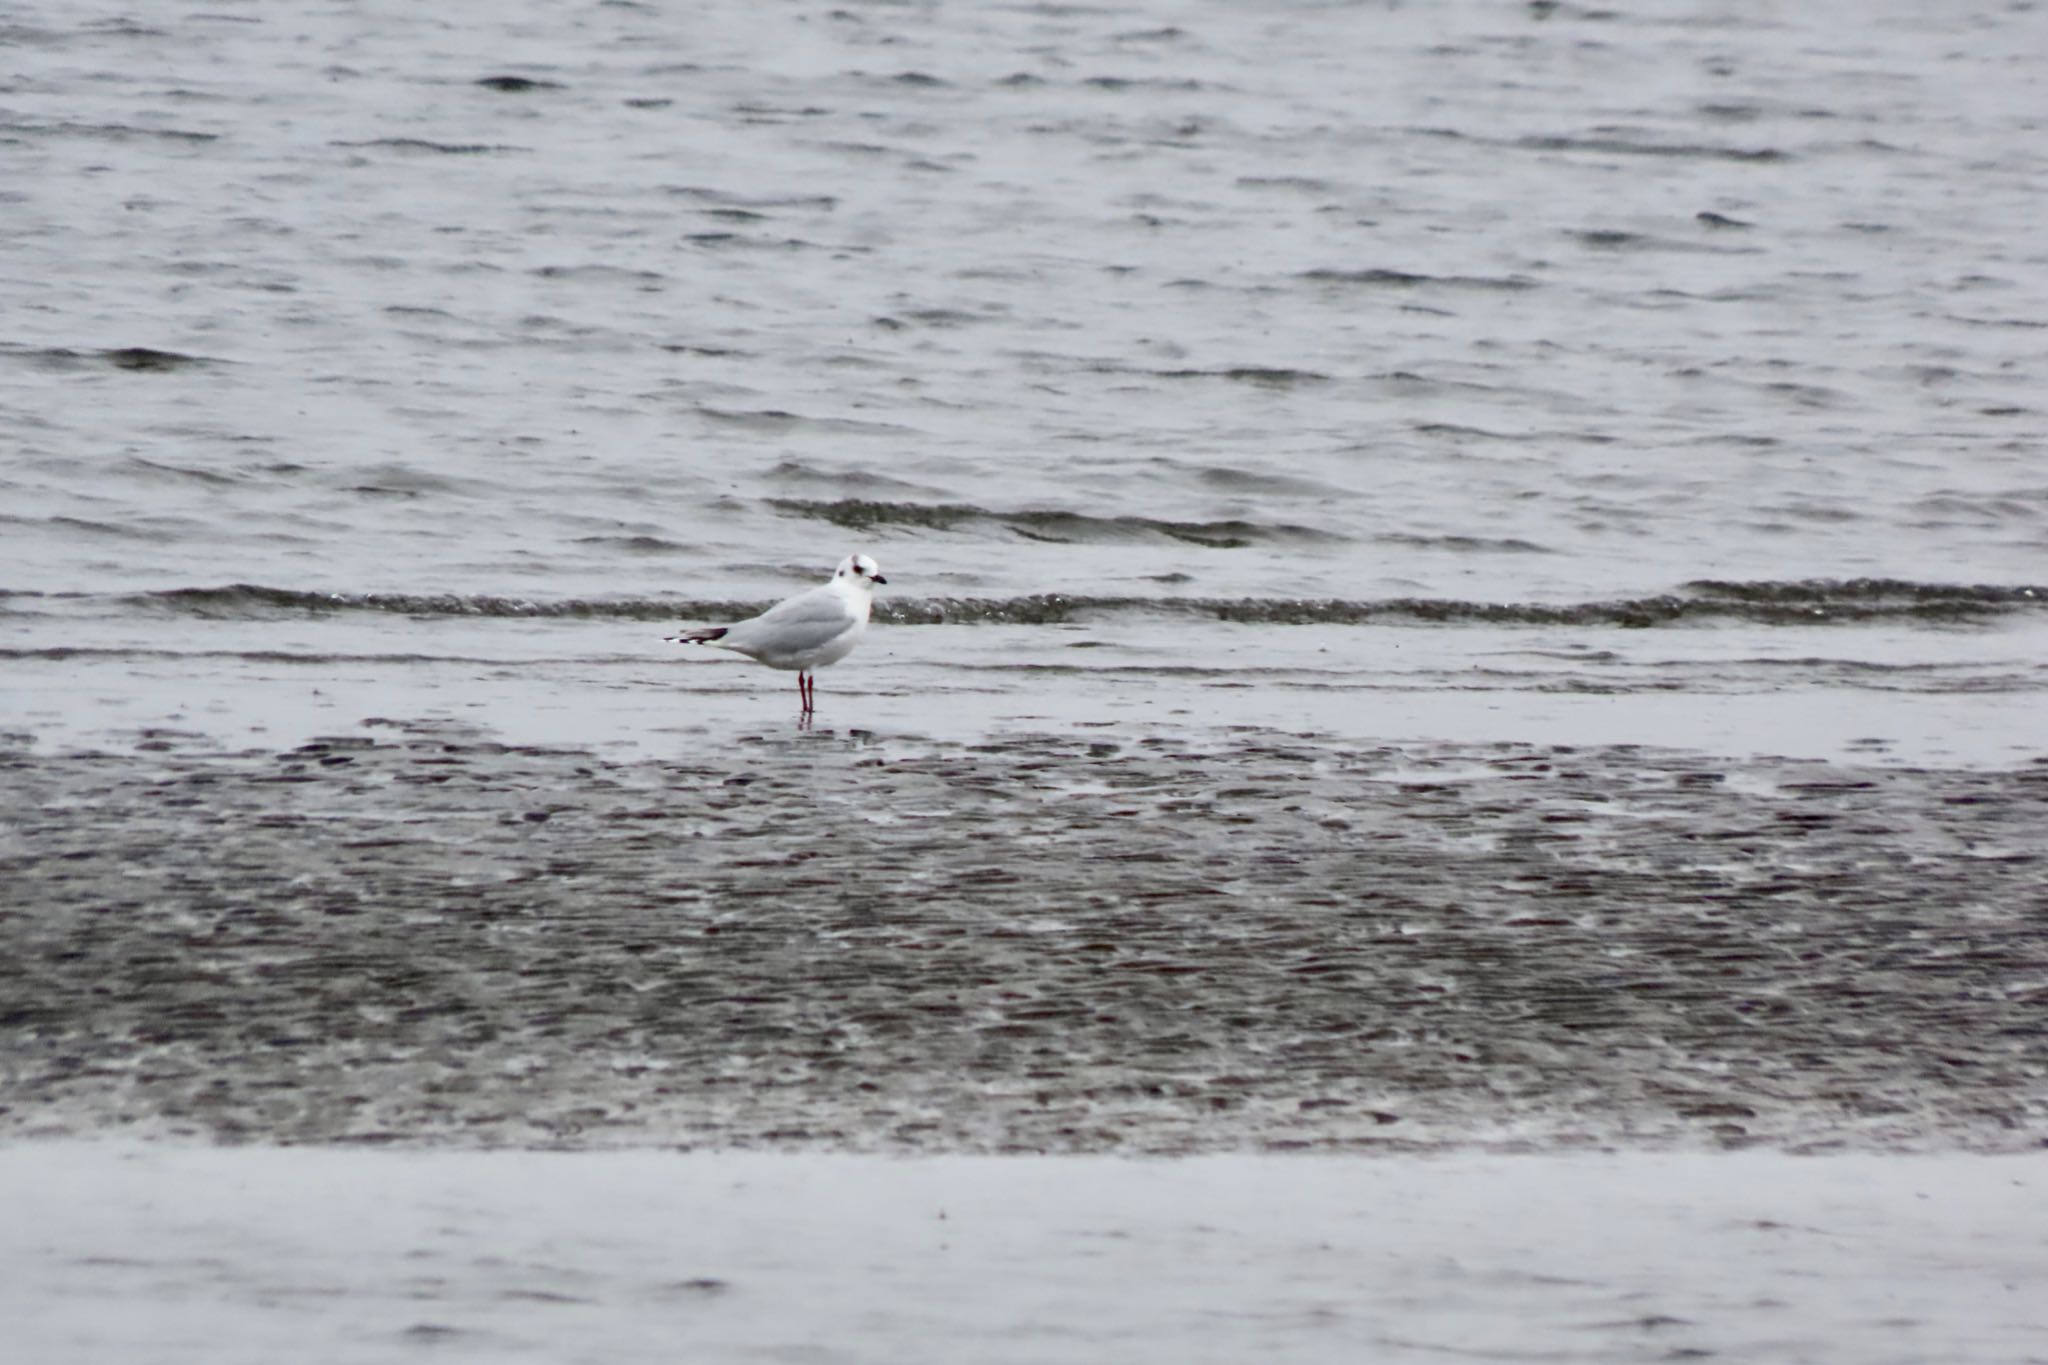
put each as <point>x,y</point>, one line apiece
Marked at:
<point>229,1255</point>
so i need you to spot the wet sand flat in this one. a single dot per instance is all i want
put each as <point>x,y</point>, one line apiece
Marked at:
<point>1245,941</point>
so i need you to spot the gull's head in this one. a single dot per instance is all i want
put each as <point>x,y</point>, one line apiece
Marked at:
<point>860,571</point>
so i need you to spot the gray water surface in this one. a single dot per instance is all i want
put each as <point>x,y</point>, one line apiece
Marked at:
<point>1500,303</point>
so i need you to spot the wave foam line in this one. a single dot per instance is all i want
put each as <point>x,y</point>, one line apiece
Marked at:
<point>1808,602</point>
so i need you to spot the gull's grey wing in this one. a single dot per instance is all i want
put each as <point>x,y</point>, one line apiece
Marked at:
<point>805,622</point>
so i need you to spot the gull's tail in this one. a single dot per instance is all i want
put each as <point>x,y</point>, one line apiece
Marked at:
<point>697,637</point>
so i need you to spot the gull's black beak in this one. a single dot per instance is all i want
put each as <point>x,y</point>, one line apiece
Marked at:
<point>880,579</point>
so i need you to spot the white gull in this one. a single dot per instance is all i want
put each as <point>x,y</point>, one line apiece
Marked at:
<point>805,632</point>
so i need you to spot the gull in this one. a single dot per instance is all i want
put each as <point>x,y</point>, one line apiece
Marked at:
<point>807,631</point>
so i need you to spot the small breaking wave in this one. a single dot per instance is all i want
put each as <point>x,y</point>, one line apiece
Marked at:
<point>242,601</point>
<point>1803,603</point>
<point>420,144</point>
<point>1465,544</point>
<point>1613,142</point>
<point>1832,591</point>
<point>861,514</point>
<point>112,132</point>
<point>1807,604</point>
<point>1629,146</point>
<point>140,358</point>
<point>1381,278</point>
